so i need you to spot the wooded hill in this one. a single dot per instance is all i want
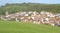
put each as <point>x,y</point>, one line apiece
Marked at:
<point>12,8</point>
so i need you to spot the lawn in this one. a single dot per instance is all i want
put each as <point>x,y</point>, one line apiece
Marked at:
<point>16,27</point>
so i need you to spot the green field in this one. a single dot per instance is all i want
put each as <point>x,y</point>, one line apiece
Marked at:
<point>16,27</point>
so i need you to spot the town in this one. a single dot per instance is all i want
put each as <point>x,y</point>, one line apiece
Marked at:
<point>42,17</point>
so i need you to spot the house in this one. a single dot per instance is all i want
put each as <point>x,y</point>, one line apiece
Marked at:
<point>34,17</point>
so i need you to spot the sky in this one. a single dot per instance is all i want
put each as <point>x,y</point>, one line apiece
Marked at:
<point>3,2</point>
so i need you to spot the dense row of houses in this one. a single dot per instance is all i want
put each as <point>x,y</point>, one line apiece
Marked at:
<point>34,17</point>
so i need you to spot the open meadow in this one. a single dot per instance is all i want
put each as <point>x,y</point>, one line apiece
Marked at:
<point>16,27</point>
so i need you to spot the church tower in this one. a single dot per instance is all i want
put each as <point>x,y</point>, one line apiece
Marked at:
<point>6,13</point>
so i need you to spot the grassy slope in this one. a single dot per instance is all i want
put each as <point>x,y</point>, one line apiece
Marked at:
<point>15,27</point>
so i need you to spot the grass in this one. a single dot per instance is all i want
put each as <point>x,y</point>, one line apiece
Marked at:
<point>15,27</point>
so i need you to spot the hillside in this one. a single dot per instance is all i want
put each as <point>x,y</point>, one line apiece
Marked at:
<point>12,8</point>
<point>15,27</point>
